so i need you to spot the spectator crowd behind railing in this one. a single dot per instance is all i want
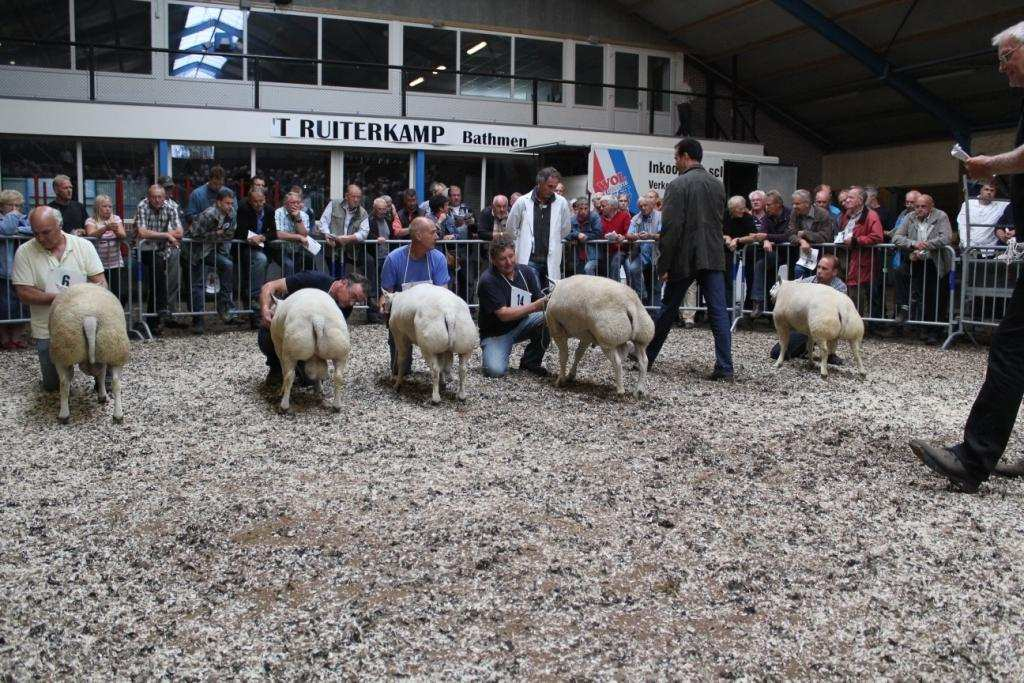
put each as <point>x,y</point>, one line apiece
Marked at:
<point>169,259</point>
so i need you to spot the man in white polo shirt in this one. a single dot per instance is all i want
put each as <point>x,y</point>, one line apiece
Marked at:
<point>44,267</point>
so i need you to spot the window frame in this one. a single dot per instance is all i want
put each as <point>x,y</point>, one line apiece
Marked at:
<point>320,53</point>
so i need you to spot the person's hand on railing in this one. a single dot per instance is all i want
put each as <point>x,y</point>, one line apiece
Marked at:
<point>172,242</point>
<point>581,237</point>
<point>448,237</point>
<point>805,246</point>
<point>768,246</point>
<point>256,240</point>
<point>848,241</point>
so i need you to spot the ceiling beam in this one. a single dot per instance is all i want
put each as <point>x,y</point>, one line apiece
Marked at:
<point>785,35</point>
<point>714,16</point>
<point>950,116</point>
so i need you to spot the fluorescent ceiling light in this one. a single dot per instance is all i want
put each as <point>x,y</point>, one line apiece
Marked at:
<point>476,48</point>
<point>440,67</point>
<point>416,81</point>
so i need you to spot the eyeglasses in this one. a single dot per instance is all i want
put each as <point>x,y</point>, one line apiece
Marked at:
<point>1004,57</point>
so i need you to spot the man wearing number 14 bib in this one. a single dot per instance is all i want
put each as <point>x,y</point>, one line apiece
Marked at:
<point>511,311</point>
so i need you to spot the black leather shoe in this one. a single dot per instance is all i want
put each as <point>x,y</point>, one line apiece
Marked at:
<point>1012,470</point>
<point>538,370</point>
<point>945,463</point>
<point>719,376</point>
<point>833,359</point>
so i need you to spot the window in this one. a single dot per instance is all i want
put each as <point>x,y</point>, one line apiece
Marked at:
<point>487,54</point>
<point>35,20</point>
<point>283,167</point>
<point>378,174</point>
<point>28,165</point>
<point>506,175</point>
<point>121,170</point>
<point>589,69</point>
<point>114,22</point>
<point>627,73</point>
<point>355,41</point>
<point>212,34</point>
<point>191,164</point>
<point>455,170</point>
<point>658,70</point>
<point>542,59</point>
<point>432,50</point>
<point>283,35</point>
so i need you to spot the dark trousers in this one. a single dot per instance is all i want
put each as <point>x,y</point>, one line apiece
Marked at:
<point>919,285</point>
<point>392,351</point>
<point>795,348</point>
<point>540,266</point>
<point>995,410</point>
<point>155,269</point>
<point>712,283</point>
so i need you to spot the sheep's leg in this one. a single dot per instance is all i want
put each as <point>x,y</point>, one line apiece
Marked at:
<point>783,331</point>
<point>448,362</point>
<point>823,352</point>
<point>402,350</point>
<point>832,347</point>
<point>115,389</point>
<point>64,372</point>
<point>641,361</point>
<point>563,358</point>
<point>613,357</point>
<point>855,347</point>
<point>581,349</point>
<point>434,361</point>
<point>288,377</point>
<point>338,379</point>
<point>463,367</point>
<point>101,382</point>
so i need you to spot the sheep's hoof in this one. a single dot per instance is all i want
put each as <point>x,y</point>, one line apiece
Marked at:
<point>638,394</point>
<point>462,397</point>
<point>284,410</point>
<point>334,408</point>
<point>118,419</point>
<point>435,401</point>
<point>102,400</point>
<point>64,419</point>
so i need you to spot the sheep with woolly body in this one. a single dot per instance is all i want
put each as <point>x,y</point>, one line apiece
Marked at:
<point>601,312</point>
<point>87,328</point>
<point>824,314</point>
<point>309,327</point>
<point>439,323</point>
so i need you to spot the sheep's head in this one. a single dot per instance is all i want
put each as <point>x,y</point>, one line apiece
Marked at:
<point>385,301</point>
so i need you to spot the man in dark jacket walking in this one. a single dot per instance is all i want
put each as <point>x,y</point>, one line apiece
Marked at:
<point>691,249</point>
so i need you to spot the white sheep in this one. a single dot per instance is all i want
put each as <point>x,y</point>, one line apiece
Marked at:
<point>87,327</point>
<point>437,321</point>
<point>307,326</point>
<point>824,314</point>
<point>602,312</point>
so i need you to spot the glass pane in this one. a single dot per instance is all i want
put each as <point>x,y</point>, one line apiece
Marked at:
<point>114,22</point>
<point>627,72</point>
<point>589,69</point>
<point>210,32</point>
<point>283,35</point>
<point>28,165</point>
<point>191,163</point>
<point>378,174</point>
<point>310,169</point>
<point>541,58</point>
<point>121,170</point>
<point>433,49</point>
<point>454,170</point>
<point>658,70</point>
<point>35,20</point>
<point>507,175</point>
<point>488,54</point>
<point>355,41</point>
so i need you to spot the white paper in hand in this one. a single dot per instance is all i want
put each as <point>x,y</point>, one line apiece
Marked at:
<point>251,235</point>
<point>312,246</point>
<point>808,259</point>
<point>958,153</point>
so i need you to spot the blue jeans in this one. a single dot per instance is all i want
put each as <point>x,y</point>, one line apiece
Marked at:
<point>226,273</point>
<point>496,350</point>
<point>636,274</point>
<point>712,284</point>
<point>51,380</point>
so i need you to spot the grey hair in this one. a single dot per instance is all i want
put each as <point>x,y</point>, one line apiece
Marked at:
<point>773,194</point>
<point>1015,32</point>
<point>59,178</point>
<point>548,172</point>
<point>12,197</point>
<point>735,202</point>
<point>802,195</point>
<point>757,193</point>
<point>581,201</point>
<point>49,212</point>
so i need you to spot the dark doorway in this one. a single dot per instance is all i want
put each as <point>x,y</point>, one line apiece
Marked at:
<point>740,178</point>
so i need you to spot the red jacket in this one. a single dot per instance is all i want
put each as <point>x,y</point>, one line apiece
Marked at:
<point>618,223</point>
<point>866,231</point>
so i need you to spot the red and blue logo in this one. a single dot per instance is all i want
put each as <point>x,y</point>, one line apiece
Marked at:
<point>611,175</point>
